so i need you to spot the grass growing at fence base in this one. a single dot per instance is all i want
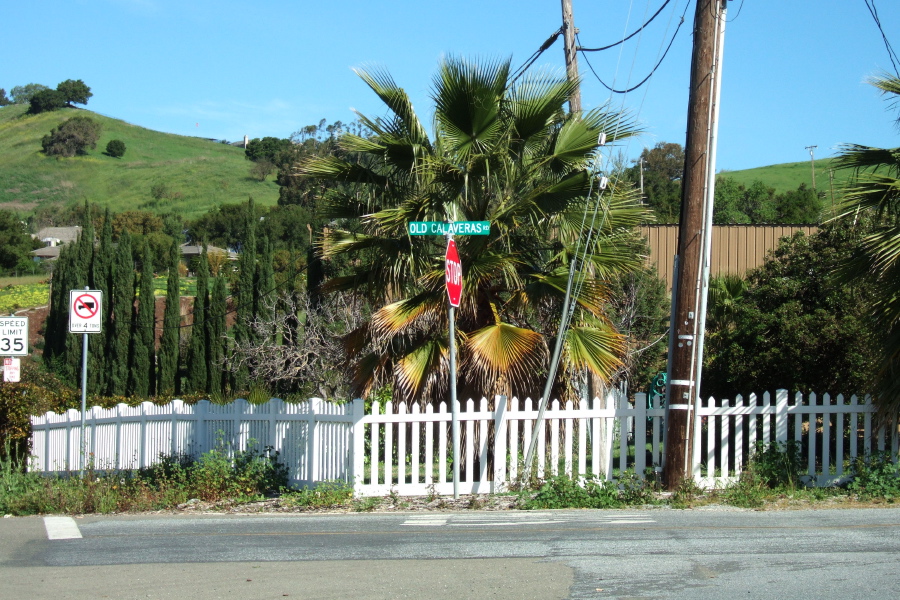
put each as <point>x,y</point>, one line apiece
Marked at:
<point>214,476</point>
<point>567,492</point>
<point>328,494</point>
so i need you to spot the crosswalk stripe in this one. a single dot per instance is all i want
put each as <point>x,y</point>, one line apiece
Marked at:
<point>61,528</point>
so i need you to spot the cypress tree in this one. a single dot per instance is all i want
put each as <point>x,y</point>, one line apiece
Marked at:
<point>169,344</point>
<point>78,277</point>
<point>101,279</point>
<point>245,293</point>
<point>198,357</point>
<point>264,295</point>
<point>217,310</point>
<point>142,378</point>
<point>122,304</point>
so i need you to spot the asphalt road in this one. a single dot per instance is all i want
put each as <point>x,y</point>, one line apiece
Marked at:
<point>666,554</point>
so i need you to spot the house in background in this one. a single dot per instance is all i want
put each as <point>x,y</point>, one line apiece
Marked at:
<point>53,238</point>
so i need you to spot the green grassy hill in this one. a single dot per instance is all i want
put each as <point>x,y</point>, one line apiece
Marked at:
<point>788,176</point>
<point>197,173</point>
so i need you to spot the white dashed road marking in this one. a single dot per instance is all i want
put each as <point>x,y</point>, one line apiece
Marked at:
<point>518,519</point>
<point>61,528</point>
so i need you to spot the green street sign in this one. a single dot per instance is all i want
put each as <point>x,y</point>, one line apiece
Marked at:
<point>455,228</point>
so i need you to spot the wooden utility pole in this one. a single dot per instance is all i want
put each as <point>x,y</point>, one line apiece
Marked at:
<point>685,359</point>
<point>571,54</point>
<point>812,163</point>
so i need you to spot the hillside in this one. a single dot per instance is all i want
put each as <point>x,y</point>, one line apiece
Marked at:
<point>197,174</point>
<point>788,176</point>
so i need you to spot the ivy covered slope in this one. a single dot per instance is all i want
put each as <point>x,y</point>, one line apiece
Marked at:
<point>159,172</point>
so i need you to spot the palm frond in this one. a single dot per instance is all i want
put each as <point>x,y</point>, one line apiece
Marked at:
<point>594,348</point>
<point>503,351</point>
<point>396,99</point>
<point>466,104</point>
<point>423,363</point>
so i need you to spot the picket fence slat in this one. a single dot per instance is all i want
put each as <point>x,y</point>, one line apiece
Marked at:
<point>408,448</point>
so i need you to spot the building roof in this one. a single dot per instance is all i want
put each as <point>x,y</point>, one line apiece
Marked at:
<point>190,251</point>
<point>63,234</point>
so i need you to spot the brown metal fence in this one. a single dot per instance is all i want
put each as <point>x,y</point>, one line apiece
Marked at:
<point>735,248</point>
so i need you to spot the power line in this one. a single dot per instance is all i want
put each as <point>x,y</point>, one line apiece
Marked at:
<point>625,39</point>
<point>735,17</point>
<point>530,61</point>
<point>870,4</point>
<point>647,78</point>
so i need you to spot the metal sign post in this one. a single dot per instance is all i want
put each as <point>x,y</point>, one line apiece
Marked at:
<point>453,282</point>
<point>85,316</point>
<point>453,279</point>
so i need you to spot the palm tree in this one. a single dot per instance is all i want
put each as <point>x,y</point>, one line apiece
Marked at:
<point>875,193</point>
<point>504,152</point>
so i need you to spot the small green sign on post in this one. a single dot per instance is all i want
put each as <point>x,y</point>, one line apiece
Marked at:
<point>454,228</point>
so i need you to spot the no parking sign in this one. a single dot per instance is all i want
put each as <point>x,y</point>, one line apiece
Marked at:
<point>85,314</point>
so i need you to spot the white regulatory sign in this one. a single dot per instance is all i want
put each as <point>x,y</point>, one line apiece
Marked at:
<point>85,311</point>
<point>13,336</point>
<point>12,370</point>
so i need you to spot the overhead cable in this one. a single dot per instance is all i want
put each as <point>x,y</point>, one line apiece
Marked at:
<point>647,78</point>
<point>870,4</point>
<point>625,39</point>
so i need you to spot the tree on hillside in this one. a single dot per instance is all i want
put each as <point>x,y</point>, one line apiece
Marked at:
<point>735,203</point>
<point>15,242</point>
<point>503,151</point>
<point>72,137</point>
<point>115,148</point>
<point>798,206</point>
<point>74,91</point>
<point>267,148</point>
<point>663,169</point>
<point>875,190</point>
<point>46,101</point>
<point>4,101</point>
<point>22,94</point>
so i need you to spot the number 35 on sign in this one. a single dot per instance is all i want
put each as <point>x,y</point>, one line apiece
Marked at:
<point>13,336</point>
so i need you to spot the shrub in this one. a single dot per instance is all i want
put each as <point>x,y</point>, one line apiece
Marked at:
<point>875,475</point>
<point>565,492</point>
<point>45,101</point>
<point>115,148</point>
<point>72,137</point>
<point>37,393</point>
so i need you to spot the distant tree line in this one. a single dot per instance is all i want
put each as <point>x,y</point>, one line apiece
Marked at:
<point>735,203</point>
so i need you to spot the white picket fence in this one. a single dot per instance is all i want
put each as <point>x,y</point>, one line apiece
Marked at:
<point>409,451</point>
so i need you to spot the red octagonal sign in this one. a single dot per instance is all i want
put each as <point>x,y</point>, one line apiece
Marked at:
<point>453,274</point>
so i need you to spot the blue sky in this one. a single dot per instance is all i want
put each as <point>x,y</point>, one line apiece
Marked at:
<point>793,71</point>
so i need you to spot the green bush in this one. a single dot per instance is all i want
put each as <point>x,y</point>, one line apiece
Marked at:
<point>773,469</point>
<point>778,464</point>
<point>72,137</point>
<point>564,492</point>
<point>37,393</point>
<point>875,476</point>
<point>115,148</point>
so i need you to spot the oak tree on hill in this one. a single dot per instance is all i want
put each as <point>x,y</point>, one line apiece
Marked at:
<point>45,101</point>
<point>72,137</point>
<point>22,94</point>
<point>74,91</point>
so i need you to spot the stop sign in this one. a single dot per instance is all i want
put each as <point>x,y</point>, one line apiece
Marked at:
<point>453,274</point>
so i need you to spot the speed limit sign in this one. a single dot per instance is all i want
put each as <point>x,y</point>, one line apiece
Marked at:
<point>13,336</point>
